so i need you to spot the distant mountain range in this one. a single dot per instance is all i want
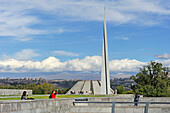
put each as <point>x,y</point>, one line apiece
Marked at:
<point>65,75</point>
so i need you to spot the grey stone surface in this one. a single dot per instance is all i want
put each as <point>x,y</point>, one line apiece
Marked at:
<point>86,87</point>
<point>13,91</point>
<point>90,109</point>
<point>77,87</point>
<point>36,106</point>
<point>125,109</point>
<point>66,106</point>
<point>96,87</point>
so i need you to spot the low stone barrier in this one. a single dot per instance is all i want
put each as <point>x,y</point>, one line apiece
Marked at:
<point>36,106</point>
<point>118,109</point>
<point>14,91</point>
<point>130,98</point>
<point>63,105</point>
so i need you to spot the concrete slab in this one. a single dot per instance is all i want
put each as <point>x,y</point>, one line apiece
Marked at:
<point>77,87</point>
<point>86,87</point>
<point>96,87</point>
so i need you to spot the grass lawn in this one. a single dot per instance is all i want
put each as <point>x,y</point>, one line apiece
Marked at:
<point>59,96</point>
<point>11,98</point>
<point>8,95</point>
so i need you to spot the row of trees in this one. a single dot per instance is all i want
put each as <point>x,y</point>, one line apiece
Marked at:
<point>44,88</point>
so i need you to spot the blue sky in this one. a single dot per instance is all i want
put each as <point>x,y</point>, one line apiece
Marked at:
<point>65,37</point>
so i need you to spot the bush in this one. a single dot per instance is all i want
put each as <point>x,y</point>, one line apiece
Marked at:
<point>168,93</point>
<point>120,89</point>
<point>127,92</point>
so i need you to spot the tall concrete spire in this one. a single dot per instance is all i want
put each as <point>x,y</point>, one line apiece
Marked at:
<point>105,76</point>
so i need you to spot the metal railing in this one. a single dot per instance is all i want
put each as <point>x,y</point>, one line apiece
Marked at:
<point>113,104</point>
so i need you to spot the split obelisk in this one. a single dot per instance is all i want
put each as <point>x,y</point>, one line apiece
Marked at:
<point>105,76</point>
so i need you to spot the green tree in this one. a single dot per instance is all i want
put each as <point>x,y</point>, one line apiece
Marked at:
<point>38,90</point>
<point>44,88</point>
<point>152,80</point>
<point>120,89</point>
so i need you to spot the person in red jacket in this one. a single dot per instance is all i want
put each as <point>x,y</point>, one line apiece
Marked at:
<point>53,94</point>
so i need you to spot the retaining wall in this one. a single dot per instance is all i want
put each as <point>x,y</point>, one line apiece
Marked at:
<point>14,91</point>
<point>118,109</point>
<point>66,105</point>
<point>36,106</point>
<point>130,98</point>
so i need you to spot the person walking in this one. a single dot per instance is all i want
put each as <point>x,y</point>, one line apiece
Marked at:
<point>136,99</point>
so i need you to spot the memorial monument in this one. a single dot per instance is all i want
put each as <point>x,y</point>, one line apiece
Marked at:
<point>105,76</point>
<point>97,87</point>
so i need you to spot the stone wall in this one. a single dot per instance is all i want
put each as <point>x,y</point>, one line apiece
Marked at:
<point>130,98</point>
<point>118,109</point>
<point>14,91</point>
<point>66,106</point>
<point>36,106</point>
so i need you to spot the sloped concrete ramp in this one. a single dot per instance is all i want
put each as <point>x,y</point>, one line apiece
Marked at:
<point>86,87</point>
<point>96,87</point>
<point>77,87</point>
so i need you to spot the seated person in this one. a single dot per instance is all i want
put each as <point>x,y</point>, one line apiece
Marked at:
<point>53,94</point>
<point>25,96</point>
<point>72,92</point>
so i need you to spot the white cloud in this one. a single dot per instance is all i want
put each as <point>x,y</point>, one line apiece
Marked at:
<point>63,30</point>
<point>60,30</point>
<point>15,21</point>
<point>23,39</point>
<point>17,15</point>
<point>163,56</point>
<point>121,38</point>
<point>25,54</point>
<point>165,62</point>
<point>126,65</point>
<point>87,64</point>
<point>53,64</point>
<point>125,38</point>
<point>64,53</point>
